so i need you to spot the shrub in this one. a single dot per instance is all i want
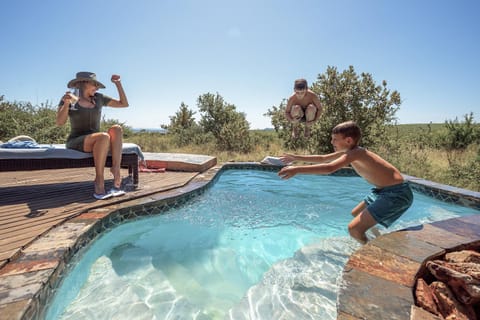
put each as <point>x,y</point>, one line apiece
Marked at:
<point>460,135</point>
<point>229,127</point>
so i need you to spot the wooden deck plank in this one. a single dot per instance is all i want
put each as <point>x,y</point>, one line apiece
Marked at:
<point>32,202</point>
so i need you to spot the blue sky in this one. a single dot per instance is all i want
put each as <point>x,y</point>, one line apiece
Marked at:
<point>250,52</point>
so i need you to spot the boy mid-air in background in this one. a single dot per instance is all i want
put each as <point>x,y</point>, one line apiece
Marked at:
<point>390,197</point>
<point>302,106</point>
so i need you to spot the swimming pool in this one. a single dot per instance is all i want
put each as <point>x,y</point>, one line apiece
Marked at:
<point>253,246</point>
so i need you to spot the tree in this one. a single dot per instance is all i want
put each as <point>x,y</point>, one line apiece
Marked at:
<point>229,127</point>
<point>182,120</point>
<point>183,127</point>
<point>344,96</point>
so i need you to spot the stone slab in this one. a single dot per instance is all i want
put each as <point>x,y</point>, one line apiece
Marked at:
<point>345,316</point>
<point>419,314</point>
<point>384,264</point>
<point>14,310</point>
<point>436,236</point>
<point>403,244</point>
<point>474,219</point>
<point>365,296</point>
<point>460,227</point>
<point>19,280</point>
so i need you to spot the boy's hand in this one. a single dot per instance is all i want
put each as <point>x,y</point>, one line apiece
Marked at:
<point>287,172</point>
<point>287,158</point>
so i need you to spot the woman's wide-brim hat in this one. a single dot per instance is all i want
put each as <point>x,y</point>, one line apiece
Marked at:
<point>85,76</point>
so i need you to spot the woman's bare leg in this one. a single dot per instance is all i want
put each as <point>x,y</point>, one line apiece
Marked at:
<point>98,143</point>
<point>116,142</point>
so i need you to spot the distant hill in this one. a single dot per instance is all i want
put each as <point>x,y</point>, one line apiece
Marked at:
<point>159,130</point>
<point>418,127</point>
<point>401,128</point>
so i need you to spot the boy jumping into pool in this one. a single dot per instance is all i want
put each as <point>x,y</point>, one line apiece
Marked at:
<point>390,197</point>
<point>302,106</point>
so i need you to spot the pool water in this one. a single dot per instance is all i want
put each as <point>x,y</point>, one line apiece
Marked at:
<point>252,247</point>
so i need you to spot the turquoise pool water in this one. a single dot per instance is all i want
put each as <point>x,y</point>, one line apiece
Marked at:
<point>252,247</point>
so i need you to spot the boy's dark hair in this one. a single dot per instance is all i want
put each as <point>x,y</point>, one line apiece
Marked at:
<point>349,129</point>
<point>300,84</point>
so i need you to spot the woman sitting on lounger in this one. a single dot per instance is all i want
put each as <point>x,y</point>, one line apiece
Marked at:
<point>85,113</point>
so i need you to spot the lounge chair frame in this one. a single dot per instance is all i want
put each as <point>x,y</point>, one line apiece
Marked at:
<point>129,160</point>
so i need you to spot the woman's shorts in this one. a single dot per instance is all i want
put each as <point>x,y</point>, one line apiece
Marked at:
<point>387,204</point>
<point>76,143</point>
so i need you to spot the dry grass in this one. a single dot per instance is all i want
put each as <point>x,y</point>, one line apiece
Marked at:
<point>424,162</point>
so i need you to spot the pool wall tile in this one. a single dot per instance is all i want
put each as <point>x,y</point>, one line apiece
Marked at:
<point>446,193</point>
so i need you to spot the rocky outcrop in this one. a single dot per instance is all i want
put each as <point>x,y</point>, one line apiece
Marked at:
<point>450,288</point>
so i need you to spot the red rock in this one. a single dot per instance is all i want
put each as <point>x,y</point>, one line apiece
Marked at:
<point>463,256</point>
<point>448,305</point>
<point>465,287</point>
<point>425,297</point>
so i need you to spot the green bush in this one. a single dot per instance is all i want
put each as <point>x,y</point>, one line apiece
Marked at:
<point>229,127</point>
<point>465,175</point>
<point>184,130</point>
<point>459,135</point>
<point>22,118</point>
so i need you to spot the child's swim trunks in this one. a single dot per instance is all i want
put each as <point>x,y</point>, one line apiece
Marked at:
<point>387,204</point>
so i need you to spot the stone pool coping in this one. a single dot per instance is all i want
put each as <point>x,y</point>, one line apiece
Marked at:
<point>386,264</point>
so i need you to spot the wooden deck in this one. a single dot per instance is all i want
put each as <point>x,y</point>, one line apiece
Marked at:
<point>32,202</point>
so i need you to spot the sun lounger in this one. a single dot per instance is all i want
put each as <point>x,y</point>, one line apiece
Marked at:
<point>56,156</point>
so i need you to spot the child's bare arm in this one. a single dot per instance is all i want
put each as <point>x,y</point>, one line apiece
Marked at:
<point>322,168</point>
<point>288,109</point>
<point>288,157</point>
<point>316,102</point>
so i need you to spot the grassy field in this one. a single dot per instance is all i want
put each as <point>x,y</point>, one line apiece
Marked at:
<point>406,150</point>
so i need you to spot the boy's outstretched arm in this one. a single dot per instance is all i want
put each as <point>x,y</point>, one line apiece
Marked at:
<point>289,157</point>
<point>316,102</point>
<point>323,168</point>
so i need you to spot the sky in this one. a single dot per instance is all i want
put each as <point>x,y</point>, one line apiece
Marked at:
<point>249,52</point>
